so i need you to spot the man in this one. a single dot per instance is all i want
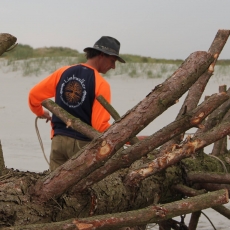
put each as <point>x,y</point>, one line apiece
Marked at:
<point>75,89</point>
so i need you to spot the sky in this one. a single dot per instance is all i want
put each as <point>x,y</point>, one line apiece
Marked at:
<point>170,29</point>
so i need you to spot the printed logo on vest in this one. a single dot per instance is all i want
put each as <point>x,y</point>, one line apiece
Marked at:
<point>73,91</point>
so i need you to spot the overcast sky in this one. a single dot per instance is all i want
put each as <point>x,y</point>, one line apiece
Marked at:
<point>171,29</point>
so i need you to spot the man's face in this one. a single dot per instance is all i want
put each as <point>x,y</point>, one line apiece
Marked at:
<point>107,63</point>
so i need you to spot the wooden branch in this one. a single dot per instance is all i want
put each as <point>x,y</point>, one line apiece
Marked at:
<point>180,152</point>
<point>220,146</point>
<point>114,114</point>
<point>196,91</point>
<point>194,220</point>
<point>187,191</point>
<point>222,210</point>
<point>224,149</point>
<point>222,88</point>
<point>2,162</point>
<point>6,41</point>
<point>70,120</point>
<point>151,214</point>
<point>204,177</point>
<point>216,117</point>
<point>108,107</point>
<point>135,152</point>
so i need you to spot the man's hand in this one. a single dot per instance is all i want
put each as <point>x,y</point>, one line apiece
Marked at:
<point>46,116</point>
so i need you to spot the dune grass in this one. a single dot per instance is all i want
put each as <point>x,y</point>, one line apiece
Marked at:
<point>47,59</point>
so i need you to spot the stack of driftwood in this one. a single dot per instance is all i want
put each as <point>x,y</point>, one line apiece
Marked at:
<point>109,186</point>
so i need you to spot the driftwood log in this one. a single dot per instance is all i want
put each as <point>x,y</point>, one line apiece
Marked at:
<point>109,186</point>
<point>7,42</point>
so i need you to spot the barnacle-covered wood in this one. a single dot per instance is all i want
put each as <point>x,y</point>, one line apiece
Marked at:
<point>6,41</point>
<point>105,145</point>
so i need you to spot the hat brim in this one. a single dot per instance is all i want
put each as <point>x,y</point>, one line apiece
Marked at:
<point>106,52</point>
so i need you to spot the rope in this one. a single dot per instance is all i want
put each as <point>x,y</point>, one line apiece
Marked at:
<point>225,169</point>
<point>40,140</point>
<point>209,220</point>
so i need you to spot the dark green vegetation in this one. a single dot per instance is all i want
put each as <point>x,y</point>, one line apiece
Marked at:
<point>21,52</point>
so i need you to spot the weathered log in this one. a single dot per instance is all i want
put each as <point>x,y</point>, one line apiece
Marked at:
<point>216,117</point>
<point>103,147</point>
<point>180,152</point>
<point>213,186</point>
<point>190,192</point>
<point>220,146</point>
<point>196,91</point>
<point>204,177</point>
<point>6,41</point>
<point>112,196</point>
<point>151,214</point>
<point>139,150</point>
<point>70,120</point>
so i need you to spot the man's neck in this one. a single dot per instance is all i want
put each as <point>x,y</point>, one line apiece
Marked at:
<point>93,62</point>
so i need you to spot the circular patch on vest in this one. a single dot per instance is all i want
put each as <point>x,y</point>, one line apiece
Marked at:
<point>73,92</point>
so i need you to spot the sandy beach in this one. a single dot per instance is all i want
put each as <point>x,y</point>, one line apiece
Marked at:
<point>18,137</point>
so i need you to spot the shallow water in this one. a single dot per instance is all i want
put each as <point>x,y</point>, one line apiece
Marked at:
<point>20,144</point>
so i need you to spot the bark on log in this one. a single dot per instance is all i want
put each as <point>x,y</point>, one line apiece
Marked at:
<point>190,192</point>
<point>151,214</point>
<point>70,120</point>
<point>194,220</point>
<point>204,177</point>
<point>216,117</point>
<point>6,41</point>
<point>139,150</point>
<point>180,152</point>
<point>114,114</point>
<point>220,147</point>
<point>195,92</point>
<point>112,196</point>
<point>103,147</point>
<point>108,107</point>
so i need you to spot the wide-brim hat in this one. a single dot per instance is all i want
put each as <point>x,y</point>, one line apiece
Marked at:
<point>107,45</point>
